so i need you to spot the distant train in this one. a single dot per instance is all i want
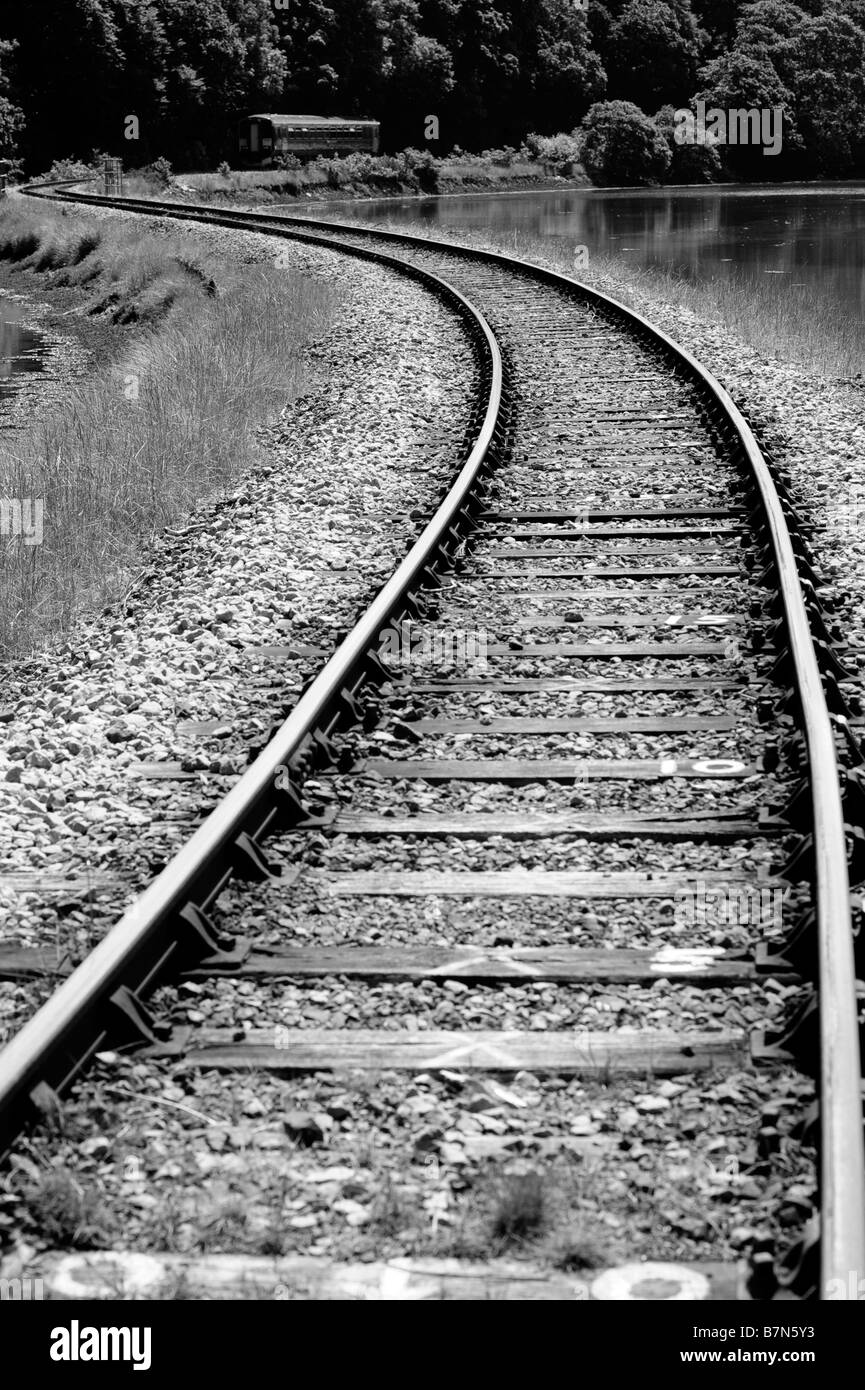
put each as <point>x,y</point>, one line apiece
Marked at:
<point>261,138</point>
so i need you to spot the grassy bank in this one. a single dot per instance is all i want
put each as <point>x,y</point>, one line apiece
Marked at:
<point>798,325</point>
<point>220,351</point>
<point>551,164</point>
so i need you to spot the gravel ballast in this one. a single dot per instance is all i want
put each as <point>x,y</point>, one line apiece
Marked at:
<point>391,1163</point>
<point>285,559</point>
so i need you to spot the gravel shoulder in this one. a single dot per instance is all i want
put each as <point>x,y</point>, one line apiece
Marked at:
<point>285,559</point>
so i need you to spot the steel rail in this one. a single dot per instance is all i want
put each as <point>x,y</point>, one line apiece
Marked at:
<point>842,1151</point>
<point>135,949</point>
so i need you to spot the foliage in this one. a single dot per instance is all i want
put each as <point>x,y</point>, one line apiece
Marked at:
<point>75,168</point>
<point>488,70</point>
<point>697,163</point>
<point>623,146</point>
<point>11,116</point>
<point>652,53</point>
<point>823,64</point>
<point>765,23</point>
<point>742,80</point>
<point>188,69</point>
<point>159,172</point>
<point>410,169</point>
<point>560,152</point>
<point>504,158</point>
<point>179,66</point>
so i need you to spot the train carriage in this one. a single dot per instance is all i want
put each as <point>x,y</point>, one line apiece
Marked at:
<point>261,138</point>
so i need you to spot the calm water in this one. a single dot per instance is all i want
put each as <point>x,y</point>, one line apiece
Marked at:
<point>799,235</point>
<point>20,348</point>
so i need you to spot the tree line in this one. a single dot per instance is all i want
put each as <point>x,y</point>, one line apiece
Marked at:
<point>491,71</point>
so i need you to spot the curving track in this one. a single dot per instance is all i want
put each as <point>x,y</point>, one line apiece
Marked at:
<point>654,654</point>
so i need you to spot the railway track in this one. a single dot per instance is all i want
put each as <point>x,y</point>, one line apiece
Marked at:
<point>600,700</point>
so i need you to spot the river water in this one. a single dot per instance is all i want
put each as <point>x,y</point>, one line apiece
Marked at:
<point>803,235</point>
<point>21,349</point>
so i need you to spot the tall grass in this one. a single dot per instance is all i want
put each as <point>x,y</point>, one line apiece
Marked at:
<point>794,324</point>
<point>221,351</point>
<point>247,180</point>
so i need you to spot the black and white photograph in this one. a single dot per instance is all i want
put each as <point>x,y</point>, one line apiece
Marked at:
<point>432,710</point>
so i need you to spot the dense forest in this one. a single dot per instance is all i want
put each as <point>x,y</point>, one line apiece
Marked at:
<point>492,71</point>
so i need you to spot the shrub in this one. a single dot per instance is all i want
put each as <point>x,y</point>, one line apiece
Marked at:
<point>65,1212</point>
<point>422,169</point>
<point>503,158</point>
<point>621,145</point>
<point>560,152</point>
<point>155,175</point>
<point>521,1209</point>
<point>428,176</point>
<point>14,170</point>
<point>224,170</point>
<point>72,169</point>
<point>698,163</point>
<point>416,168</point>
<point>161,170</point>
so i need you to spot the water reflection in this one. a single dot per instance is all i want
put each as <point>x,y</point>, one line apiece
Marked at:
<point>811,235</point>
<point>20,348</point>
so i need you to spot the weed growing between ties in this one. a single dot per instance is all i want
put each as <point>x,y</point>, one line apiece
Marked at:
<point>65,1212</point>
<point>220,353</point>
<point>530,1214</point>
<point>520,1209</point>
